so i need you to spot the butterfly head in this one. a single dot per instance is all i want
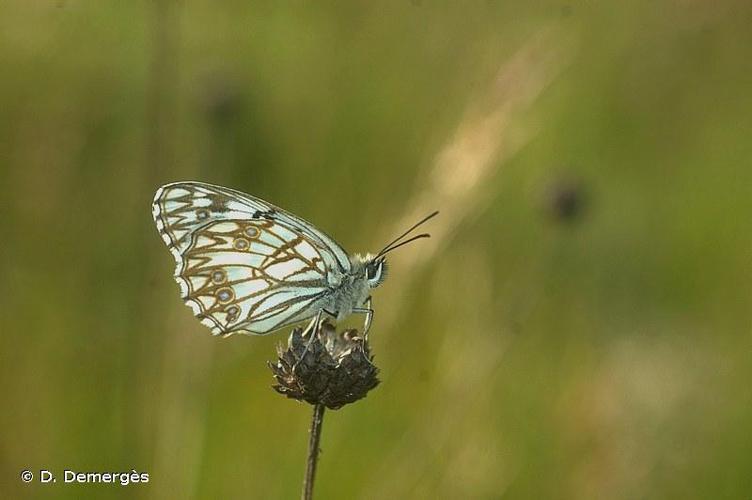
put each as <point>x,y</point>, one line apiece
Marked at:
<point>376,270</point>
<point>369,269</point>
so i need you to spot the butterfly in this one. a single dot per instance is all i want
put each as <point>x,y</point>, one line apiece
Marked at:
<point>246,266</point>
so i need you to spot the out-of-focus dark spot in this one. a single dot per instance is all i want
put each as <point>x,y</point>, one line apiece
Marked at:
<point>566,10</point>
<point>566,199</point>
<point>222,100</point>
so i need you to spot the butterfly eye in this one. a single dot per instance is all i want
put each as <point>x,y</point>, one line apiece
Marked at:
<point>375,272</point>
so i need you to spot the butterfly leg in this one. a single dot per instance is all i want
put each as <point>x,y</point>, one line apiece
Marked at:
<point>314,327</point>
<point>311,330</point>
<point>367,325</point>
<point>369,316</point>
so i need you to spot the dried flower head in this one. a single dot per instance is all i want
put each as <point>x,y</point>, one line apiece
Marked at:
<point>331,369</point>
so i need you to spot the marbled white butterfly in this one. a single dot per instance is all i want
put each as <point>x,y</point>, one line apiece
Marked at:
<point>247,266</point>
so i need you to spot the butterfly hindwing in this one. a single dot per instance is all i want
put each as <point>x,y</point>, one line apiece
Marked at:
<point>253,276</point>
<point>242,264</point>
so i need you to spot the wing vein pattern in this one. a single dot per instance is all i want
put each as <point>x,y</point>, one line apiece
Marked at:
<point>244,265</point>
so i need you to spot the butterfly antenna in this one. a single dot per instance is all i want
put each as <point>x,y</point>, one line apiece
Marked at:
<point>389,248</point>
<point>418,237</point>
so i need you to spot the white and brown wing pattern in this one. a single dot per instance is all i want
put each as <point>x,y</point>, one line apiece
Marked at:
<point>241,268</point>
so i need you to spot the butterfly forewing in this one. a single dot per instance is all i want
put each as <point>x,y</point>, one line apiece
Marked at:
<point>243,265</point>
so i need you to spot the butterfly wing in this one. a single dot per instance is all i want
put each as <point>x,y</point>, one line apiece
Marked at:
<point>243,265</point>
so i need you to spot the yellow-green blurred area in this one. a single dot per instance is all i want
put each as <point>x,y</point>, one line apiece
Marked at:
<point>577,327</point>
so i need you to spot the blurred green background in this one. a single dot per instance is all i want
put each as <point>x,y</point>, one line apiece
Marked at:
<point>579,327</point>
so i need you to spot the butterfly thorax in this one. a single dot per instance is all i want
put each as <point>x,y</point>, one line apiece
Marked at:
<point>348,290</point>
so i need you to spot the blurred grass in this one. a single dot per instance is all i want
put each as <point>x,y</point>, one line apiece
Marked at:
<point>523,356</point>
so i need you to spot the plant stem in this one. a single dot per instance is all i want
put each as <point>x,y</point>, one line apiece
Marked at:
<point>313,451</point>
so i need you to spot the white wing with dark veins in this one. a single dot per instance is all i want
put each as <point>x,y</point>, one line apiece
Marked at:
<point>244,265</point>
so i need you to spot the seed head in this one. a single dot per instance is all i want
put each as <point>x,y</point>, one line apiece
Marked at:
<point>331,369</point>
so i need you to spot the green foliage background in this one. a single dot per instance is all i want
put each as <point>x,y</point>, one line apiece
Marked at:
<point>522,355</point>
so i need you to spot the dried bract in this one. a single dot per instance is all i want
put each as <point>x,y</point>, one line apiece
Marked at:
<point>331,369</point>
